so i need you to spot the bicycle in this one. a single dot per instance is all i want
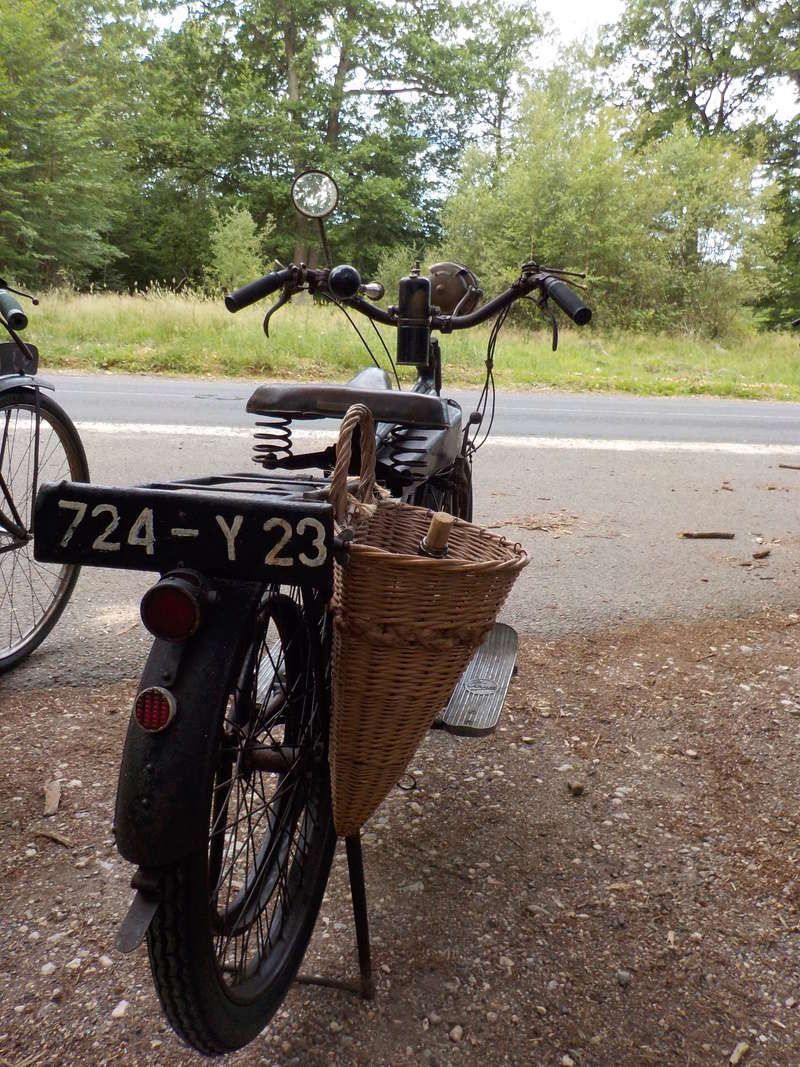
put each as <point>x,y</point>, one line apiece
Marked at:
<point>38,443</point>
<point>224,799</point>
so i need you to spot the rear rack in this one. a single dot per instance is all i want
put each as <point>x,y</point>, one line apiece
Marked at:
<point>249,484</point>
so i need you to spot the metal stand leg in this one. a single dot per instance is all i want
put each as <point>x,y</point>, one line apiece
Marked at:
<point>365,984</point>
<point>358,890</point>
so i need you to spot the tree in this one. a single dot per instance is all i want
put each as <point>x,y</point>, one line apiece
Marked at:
<point>236,250</point>
<point>781,300</point>
<point>713,65</point>
<point>61,172</point>
<point>705,62</point>
<point>662,229</point>
<point>241,96</point>
<point>499,47</point>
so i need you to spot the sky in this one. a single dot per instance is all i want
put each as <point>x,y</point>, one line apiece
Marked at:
<point>574,18</point>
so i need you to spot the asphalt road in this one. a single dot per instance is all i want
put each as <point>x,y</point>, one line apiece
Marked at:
<point>107,398</point>
<point>600,515</point>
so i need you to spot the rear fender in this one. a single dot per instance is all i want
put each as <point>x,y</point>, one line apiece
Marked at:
<point>164,780</point>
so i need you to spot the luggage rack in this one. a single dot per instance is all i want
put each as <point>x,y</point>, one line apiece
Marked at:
<point>248,484</point>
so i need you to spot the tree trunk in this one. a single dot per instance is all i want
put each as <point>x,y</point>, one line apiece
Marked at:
<point>293,92</point>
<point>498,137</point>
<point>343,68</point>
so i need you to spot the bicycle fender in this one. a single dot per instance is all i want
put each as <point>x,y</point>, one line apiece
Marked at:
<point>15,381</point>
<point>162,805</point>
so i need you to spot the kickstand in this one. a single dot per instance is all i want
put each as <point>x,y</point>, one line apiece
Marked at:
<point>364,984</point>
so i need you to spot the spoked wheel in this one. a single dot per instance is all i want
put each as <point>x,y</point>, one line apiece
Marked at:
<point>235,919</point>
<point>32,594</point>
<point>451,492</point>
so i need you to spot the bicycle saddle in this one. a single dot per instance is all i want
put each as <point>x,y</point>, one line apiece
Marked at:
<point>317,401</point>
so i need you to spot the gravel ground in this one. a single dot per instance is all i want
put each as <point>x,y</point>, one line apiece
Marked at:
<point>611,878</point>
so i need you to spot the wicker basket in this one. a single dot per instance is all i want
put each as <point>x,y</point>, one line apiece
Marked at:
<point>405,628</point>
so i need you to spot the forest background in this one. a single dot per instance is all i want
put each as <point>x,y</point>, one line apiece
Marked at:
<point>148,143</point>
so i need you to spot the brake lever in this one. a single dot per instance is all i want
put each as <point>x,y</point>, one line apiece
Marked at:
<point>19,292</point>
<point>545,308</point>
<point>532,267</point>
<point>285,297</point>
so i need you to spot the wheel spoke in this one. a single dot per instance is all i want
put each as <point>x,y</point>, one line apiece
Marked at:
<point>32,594</point>
<point>262,828</point>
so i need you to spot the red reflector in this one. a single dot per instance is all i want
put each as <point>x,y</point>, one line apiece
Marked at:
<point>170,610</point>
<point>154,709</point>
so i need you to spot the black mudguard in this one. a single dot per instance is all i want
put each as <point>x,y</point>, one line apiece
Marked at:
<point>164,781</point>
<point>15,381</point>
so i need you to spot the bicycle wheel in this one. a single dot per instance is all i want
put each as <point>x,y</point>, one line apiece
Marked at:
<point>235,919</point>
<point>450,492</point>
<point>32,594</point>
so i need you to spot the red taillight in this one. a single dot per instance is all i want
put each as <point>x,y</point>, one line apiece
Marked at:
<point>171,609</point>
<point>154,709</point>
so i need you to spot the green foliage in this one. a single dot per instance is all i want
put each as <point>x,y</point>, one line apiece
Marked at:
<point>780,301</point>
<point>659,230</point>
<point>135,152</point>
<point>60,170</point>
<point>706,62</point>
<point>192,334</point>
<point>236,250</point>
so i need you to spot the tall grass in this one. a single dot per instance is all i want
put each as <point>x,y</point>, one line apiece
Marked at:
<point>192,334</point>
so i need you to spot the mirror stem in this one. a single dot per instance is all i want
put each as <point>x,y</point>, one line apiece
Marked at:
<point>324,239</point>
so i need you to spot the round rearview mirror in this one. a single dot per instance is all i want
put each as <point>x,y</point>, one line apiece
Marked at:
<point>315,194</point>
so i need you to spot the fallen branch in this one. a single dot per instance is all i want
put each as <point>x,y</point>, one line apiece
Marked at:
<point>715,535</point>
<point>54,835</point>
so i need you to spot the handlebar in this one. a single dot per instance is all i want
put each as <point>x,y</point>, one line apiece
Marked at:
<point>566,298</point>
<point>249,294</point>
<point>323,279</point>
<point>11,311</point>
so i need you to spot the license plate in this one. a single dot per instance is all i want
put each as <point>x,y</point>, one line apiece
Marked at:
<point>222,535</point>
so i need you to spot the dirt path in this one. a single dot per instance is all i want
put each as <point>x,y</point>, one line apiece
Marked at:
<point>611,879</point>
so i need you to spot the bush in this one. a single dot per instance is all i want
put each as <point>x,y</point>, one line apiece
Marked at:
<point>236,250</point>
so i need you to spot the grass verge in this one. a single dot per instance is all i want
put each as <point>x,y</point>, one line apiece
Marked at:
<point>160,332</point>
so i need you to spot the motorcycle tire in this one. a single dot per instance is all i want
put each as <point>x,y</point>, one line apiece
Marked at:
<point>236,917</point>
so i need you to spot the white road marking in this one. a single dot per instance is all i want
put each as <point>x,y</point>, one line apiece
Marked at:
<point>588,444</point>
<point>606,445</point>
<point>152,429</point>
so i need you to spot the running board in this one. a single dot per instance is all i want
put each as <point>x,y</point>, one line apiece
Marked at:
<point>476,703</point>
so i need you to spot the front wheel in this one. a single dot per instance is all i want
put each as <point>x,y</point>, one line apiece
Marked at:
<point>236,918</point>
<point>450,492</point>
<point>38,443</point>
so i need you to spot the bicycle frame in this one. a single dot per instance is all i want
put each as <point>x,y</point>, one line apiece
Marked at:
<point>18,366</point>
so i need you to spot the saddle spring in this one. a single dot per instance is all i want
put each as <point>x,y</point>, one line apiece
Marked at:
<point>407,449</point>
<point>273,440</point>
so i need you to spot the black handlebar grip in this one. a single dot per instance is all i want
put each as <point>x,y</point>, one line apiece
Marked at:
<point>568,300</point>
<point>249,294</point>
<point>11,311</point>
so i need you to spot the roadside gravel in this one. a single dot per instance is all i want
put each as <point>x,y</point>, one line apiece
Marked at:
<point>610,879</point>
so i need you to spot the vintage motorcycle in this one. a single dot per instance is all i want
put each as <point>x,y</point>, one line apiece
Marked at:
<point>224,800</point>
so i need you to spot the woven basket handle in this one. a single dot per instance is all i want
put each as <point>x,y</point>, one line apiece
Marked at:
<point>357,415</point>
